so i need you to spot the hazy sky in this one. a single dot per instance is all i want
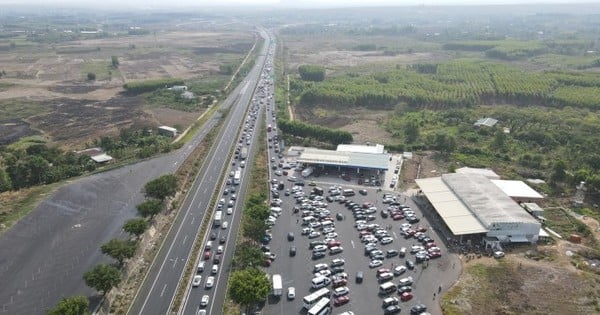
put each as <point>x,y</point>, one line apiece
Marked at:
<point>180,3</point>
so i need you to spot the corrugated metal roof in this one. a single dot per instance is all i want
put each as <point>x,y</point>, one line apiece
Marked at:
<point>373,149</point>
<point>517,188</point>
<point>348,159</point>
<point>488,122</point>
<point>459,219</point>
<point>483,171</point>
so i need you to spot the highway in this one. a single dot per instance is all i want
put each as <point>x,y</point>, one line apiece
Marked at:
<point>157,292</point>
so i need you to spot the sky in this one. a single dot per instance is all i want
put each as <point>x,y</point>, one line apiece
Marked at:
<point>304,3</point>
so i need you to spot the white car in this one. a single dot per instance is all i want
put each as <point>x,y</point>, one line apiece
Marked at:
<point>338,262</point>
<point>331,235</point>
<point>324,273</point>
<point>197,280</point>
<point>341,291</point>
<point>398,270</point>
<point>210,282</point>
<point>319,267</point>
<point>375,263</point>
<point>291,293</point>
<point>229,210</point>
<point>204,301</point>
<point>386,240</point>
<point>320,248</point>
<point>314,234</point>
<point>215,269</point>
<point>336,250</point>
<point>278,172</point>
<point>220,249</point>
<point>329,230</point>
<point>292,178</point>
<point>224,225</point>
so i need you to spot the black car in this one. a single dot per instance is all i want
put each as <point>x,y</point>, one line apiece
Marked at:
<point>223,239</point>
<point>317,255</point>
<point>292,251</point>
<point>339,216</point>
<point>418,309</point>
<point>290,236</point>
<point>405,288</point>
<point>410,265</point>
<point>384,214</point>
<point>359,277</point>
<point>391,253</point>
<point>265,248</point>
<point>336,270</point>
<point>392,309</point>
<point>299,184</point>
<point>312,244</point>
<point>363,192</point>
<point>213,235</point>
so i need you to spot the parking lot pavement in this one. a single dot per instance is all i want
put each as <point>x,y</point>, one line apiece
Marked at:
<point>298,271</point>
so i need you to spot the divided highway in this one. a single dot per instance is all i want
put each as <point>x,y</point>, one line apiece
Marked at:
<point>157,292</point>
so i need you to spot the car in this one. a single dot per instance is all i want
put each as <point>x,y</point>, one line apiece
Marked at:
<point>291,293</point>
<point>390,301</point>
<point>337,269</point>
<point>339,216</point>
<point>418,309</point>
<point>405,281</point>
<point>405,288</point>
<point>410,265</point>
<point>270,255</point>
<point>398,270</point>
<point>204,300</point>
<point>339,301</point>
<point>210,282</point>
<point>406,296</point>
<point>196,281</point>
<point>216,259</point>
<point>339,283</point>
<point>391,253</point>
<point>402,252</point>
<point>278,173</point>
<point>226,191</point>
<point>223,239</point>
<point>363,192</point>
<point>375,263</point>
<point>200,267</point>
<point>341,291</point>
<point>314,234</point>
<point>213,235</point>
<point>498,254</point>
<point>359,277</point>
<point>220,249</point>
<point>292,251</point>
<point>201,312</point>
<point>207,255</point>
<point>338,262</point>
<point>292,178</point>
<point>331,235</point>
<point>320,248</point>
<point>328,230</point>
<point>229,210</point>
<point>324,273</point>
<point>224,225</point>
<point>333,243</point>
<point>382,270</point>
<point>317,255</point>
<point>336,250</point>
<point>392,309</point>
<point>214,269</point>
<point>386,240</point>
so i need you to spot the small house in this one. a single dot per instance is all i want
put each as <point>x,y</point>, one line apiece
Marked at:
<point>167,131</point>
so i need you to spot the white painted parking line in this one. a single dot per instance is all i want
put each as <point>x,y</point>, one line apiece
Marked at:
<point>395,236</point>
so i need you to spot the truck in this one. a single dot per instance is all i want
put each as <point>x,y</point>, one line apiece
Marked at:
<point>244,153</point>
<point>307,171</point>
<point>237,176</point>
<point>218,218</point>
<point>277,285</point>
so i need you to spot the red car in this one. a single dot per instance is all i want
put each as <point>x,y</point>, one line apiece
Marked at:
<point>406,296</point>
<point>397,217</point>
<point>434,254</point>
<point>341,300</point>
<point>207,255</point>
<point>382,270</point>
<point>421,229</point>
<point>334,243</point>
<point>339,283</point>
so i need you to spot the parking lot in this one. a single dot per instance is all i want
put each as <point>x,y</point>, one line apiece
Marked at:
<point>297,271</point>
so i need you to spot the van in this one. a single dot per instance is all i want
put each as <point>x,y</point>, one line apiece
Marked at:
<point>387,288</point>
<point>307,220</point>
<point>320,282</point>
<point>348,192</point>
<point>359,277</point>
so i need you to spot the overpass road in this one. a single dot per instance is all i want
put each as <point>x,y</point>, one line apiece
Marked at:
<point>157,292</point>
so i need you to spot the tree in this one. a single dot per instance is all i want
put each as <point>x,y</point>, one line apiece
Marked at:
<point>247,255</point>
<point>119,249</point>
<point>499,142</point>
<point>74,305</point>
<point>162,187</point>
<point>150,208</point>
<point>411,131</point>
<point>444,143</point>
<point>559,171</point>
<point>311,72</point>
<point>91,76</point>
<point>135,226</point>
<point>115,61</point>
<point>5,182</point>
<point>102,278</point>
<point>249,286</point>
<point>254,228</point>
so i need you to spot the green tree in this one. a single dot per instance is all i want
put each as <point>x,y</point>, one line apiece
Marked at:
<point>74,305</point>
<point>254,228</point>
<point>103,277</point>
<point>162,187</point>
<point>247,255</point>
<point>115,61</point>
<point>411,131</point>
<point>559,171</point>
<point>5,182</point>
<point>311,72</point>
<point>499,142</point>
<point>150,208</point>
<point>444,143</point>
<point>119,249</point>
<point>91,76</point>
<point>136,226</point>
<point>249,286</point>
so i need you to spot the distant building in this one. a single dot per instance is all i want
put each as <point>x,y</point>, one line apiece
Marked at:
<point>358,148</point>
<point>96,154</point>
<point>167,131</point>
<point>487,122</point>
<point>481,171</point>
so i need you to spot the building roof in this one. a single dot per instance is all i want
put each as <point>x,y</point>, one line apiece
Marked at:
<point>517,189</point>
<point>347,159</point>
<point>168,128</point>
<point>488,122</point>
<point>533,207</point>
<point>90,151</point>
<point>101,158</point>
<point>359,148</point>
<point>459,219</point>
<point>482,171</point>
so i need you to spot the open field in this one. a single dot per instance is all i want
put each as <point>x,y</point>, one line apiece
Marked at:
<point>45,89</point>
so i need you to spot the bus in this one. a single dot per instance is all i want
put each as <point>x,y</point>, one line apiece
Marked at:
<point>314,297</point>
<point>321,308</point>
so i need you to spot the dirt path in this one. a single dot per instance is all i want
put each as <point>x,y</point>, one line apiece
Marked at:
<point>287,98</point>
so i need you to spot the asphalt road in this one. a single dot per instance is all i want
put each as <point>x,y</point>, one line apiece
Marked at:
<point>43,257</point>
<point>297,271</point>
<point>158,290</point>
<point>218,292</point>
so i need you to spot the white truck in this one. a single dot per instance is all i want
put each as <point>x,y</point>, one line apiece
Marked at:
<point>307,171</point>
<point>237,176</point>
<point>277,285</point>
<point>244,153</point>
<point>218,218</point>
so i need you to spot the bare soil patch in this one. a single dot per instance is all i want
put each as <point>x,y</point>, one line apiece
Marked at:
<point>13,130</point>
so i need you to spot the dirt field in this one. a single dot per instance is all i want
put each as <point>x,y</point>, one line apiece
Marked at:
<point>73,110</point>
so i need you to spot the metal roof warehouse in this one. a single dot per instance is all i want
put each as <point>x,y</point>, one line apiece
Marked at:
<point>378,161</point>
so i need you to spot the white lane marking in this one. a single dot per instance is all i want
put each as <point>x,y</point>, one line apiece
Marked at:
<point>193,219</point>
<point>352,242</point>
<point>162,292</point>
<point>175,262</point>
<point>184,239</point>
